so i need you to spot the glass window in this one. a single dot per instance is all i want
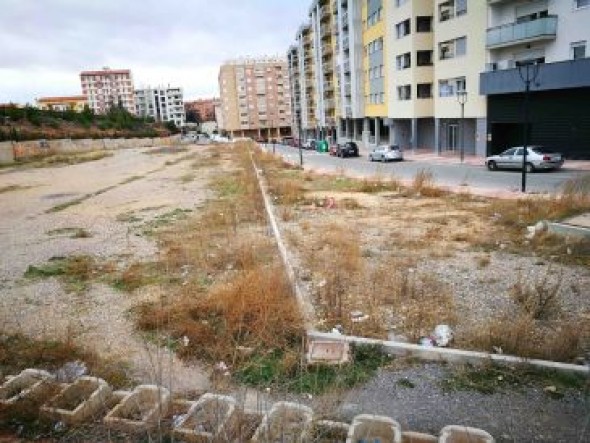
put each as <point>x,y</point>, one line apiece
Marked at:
<point>460,46</point>
<point>578,50</point>
<point>423,24</point>
<point>581,3</point>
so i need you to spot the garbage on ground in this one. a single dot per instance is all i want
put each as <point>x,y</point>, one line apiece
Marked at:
<point>222,368</point>
<point>538,228</point>
<point>358,316</point>
<point>442,336</point>
<point>70,371</point>
<point>330,203</point>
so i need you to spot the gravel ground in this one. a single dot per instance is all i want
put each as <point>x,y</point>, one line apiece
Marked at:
<point>524,415</point>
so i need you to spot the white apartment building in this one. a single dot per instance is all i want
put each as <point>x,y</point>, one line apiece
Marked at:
<point>163,104</point>
<point>550,39</point>
<point>106,88</point>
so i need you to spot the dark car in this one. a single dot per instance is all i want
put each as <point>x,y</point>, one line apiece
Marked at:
<point>348,149</point>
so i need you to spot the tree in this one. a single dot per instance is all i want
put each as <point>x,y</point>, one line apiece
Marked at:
<point>193,116</point>
<point>171,126</point>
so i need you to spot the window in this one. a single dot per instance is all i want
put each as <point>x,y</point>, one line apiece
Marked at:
<point>581,3</point>
<point>452,48</point>
<point>424,90</point>
<point>451,8</point>
<point>404,92</point>
<point>375,17</point>
<point>423,58</point>
<point>403,61</point>
<point>449,87</point>
<point>460,46</point>
<point>423,24</point>
<point>403,28</point>
<point>399,3</point>
<point>578,50</point>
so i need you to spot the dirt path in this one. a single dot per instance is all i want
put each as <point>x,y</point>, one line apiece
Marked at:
<point>108,200</point>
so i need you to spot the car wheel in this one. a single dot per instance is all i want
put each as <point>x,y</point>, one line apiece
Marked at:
<point>492,165</point>
<point>529,168</point>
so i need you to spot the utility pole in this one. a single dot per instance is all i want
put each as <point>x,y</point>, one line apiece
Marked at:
<point>528,73</point>
<point>462,98</point>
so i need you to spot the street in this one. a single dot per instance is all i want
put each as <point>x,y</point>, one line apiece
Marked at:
<point>475,177</point>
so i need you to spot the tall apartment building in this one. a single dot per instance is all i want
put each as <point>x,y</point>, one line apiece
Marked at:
<point>255,98</point>
<point>553,35</point>
<point>107,88</point>
<point>442,74</point>
<point>163,104</point>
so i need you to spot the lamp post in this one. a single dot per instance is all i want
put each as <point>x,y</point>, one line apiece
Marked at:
<point>528,73</point>
<point>299,135</point>
<point>462,98</point>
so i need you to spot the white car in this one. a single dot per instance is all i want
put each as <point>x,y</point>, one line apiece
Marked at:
<point>386,153</point>
<point>537,158</point>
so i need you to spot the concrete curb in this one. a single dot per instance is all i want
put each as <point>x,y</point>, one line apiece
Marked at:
<point>449,355</point>
<point>568,230</point>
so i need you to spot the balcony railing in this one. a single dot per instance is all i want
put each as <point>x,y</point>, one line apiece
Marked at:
<point>514,33</point>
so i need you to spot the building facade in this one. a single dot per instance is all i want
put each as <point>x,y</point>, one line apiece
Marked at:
<point>441,75</point>
<point>546,40</point>
<point>205,108</point>
<point>75,103</point>
<point>255,98</point>
<point>163,104</point>
<point>107,88</point>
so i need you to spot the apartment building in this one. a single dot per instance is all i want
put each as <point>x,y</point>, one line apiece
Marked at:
<point>106,88</point>
<point>66,103</point>
<point>548,39</point>
<point>205,108</point>
<point>443,75</point>
<point>162,103</point>
<point>255,98</point>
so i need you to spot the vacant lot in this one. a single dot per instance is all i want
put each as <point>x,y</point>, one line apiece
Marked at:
<point>162,259</point>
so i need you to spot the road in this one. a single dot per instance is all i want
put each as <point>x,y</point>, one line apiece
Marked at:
<point>474,177</point>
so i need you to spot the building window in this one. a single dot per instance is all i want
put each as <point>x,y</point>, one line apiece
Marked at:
<point>399,3</point>
<point>578,50</point>
<point>404,92</point>
<point>581,3</point>
<point>375,17</point>
<point>424,90</point>
<point>423,24</point>
<point>403,28</point>
<point>449,87</point>
<point>452,48</point>
<point>403,61</point>
<point>451,8</point>
<point>424,58</point>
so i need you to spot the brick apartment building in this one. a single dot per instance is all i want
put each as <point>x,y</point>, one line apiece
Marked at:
<point>108,87</point>
<point>205,108</point>
<point>255,98</point>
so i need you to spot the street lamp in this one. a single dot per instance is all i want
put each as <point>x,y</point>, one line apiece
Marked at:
<point>299,135</point>
<point>528,72</point>
<point>462,98</point>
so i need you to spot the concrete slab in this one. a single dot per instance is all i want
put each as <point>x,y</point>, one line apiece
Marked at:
<point>328,352</point>
<point>582,220</point>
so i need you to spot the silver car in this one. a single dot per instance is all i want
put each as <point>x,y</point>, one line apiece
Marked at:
<point>386,153</point>
<point>537,158</point>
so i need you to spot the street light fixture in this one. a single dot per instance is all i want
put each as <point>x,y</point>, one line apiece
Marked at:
<point>299,135</point>
<point>462,99</point>
<point>528,72</point>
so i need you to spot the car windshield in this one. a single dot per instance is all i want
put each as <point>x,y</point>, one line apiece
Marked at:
<point>394,148</point>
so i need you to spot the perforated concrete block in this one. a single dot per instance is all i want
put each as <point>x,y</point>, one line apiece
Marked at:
<point>418,437</point>
<point>212,418</point>
<point>328,352</point>
<point>285,421</point>
<point>327,431</point>
<point>464,434</point>
<point>79,401</point>
<point>30,383</point>
<point>371,428</point>
<point>140,409</point>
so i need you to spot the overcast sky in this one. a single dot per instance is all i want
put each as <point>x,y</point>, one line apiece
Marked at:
<point>44,44</point>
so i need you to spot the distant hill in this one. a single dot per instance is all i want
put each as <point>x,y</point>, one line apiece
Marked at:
<point>30,123</point>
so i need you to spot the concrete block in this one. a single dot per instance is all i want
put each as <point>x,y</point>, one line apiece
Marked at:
<point>248,423</point>
<point>328,352</point>
<point>370,428</point>
<point>79,401</point>
<point>139,410</point>
<point>29,384</point>
<point>285,421</point>
<point>327,431</point>
<point>212,418</point>
<point>6,153</point>
<point>62,146</point>
<point>418,437</point>
<point>464,434</point>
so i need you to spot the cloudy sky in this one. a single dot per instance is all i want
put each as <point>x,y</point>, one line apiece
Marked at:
<point>44,44</point>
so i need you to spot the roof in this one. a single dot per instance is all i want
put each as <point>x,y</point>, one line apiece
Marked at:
<point>62,99</point>
<point>106,71</point>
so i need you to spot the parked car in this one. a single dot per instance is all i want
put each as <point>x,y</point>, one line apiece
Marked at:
<point>537,158</point>
<point>386,153</point>
<point>310,143</point>
<point>347,149</point>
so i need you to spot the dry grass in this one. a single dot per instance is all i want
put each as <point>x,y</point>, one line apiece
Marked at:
<point>424,184</point>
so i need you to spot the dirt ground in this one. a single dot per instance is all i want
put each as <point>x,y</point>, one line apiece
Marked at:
<point>113,201</point>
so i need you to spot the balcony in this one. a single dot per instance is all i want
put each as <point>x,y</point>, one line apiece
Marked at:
<point>568,74</point>
<point>345,19</point>
<point>329,104</point>
<point>329,87</point>
<point>327,50</point>
<point>324,12</point>
<point>544,28</point>
<point>326,32</point>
